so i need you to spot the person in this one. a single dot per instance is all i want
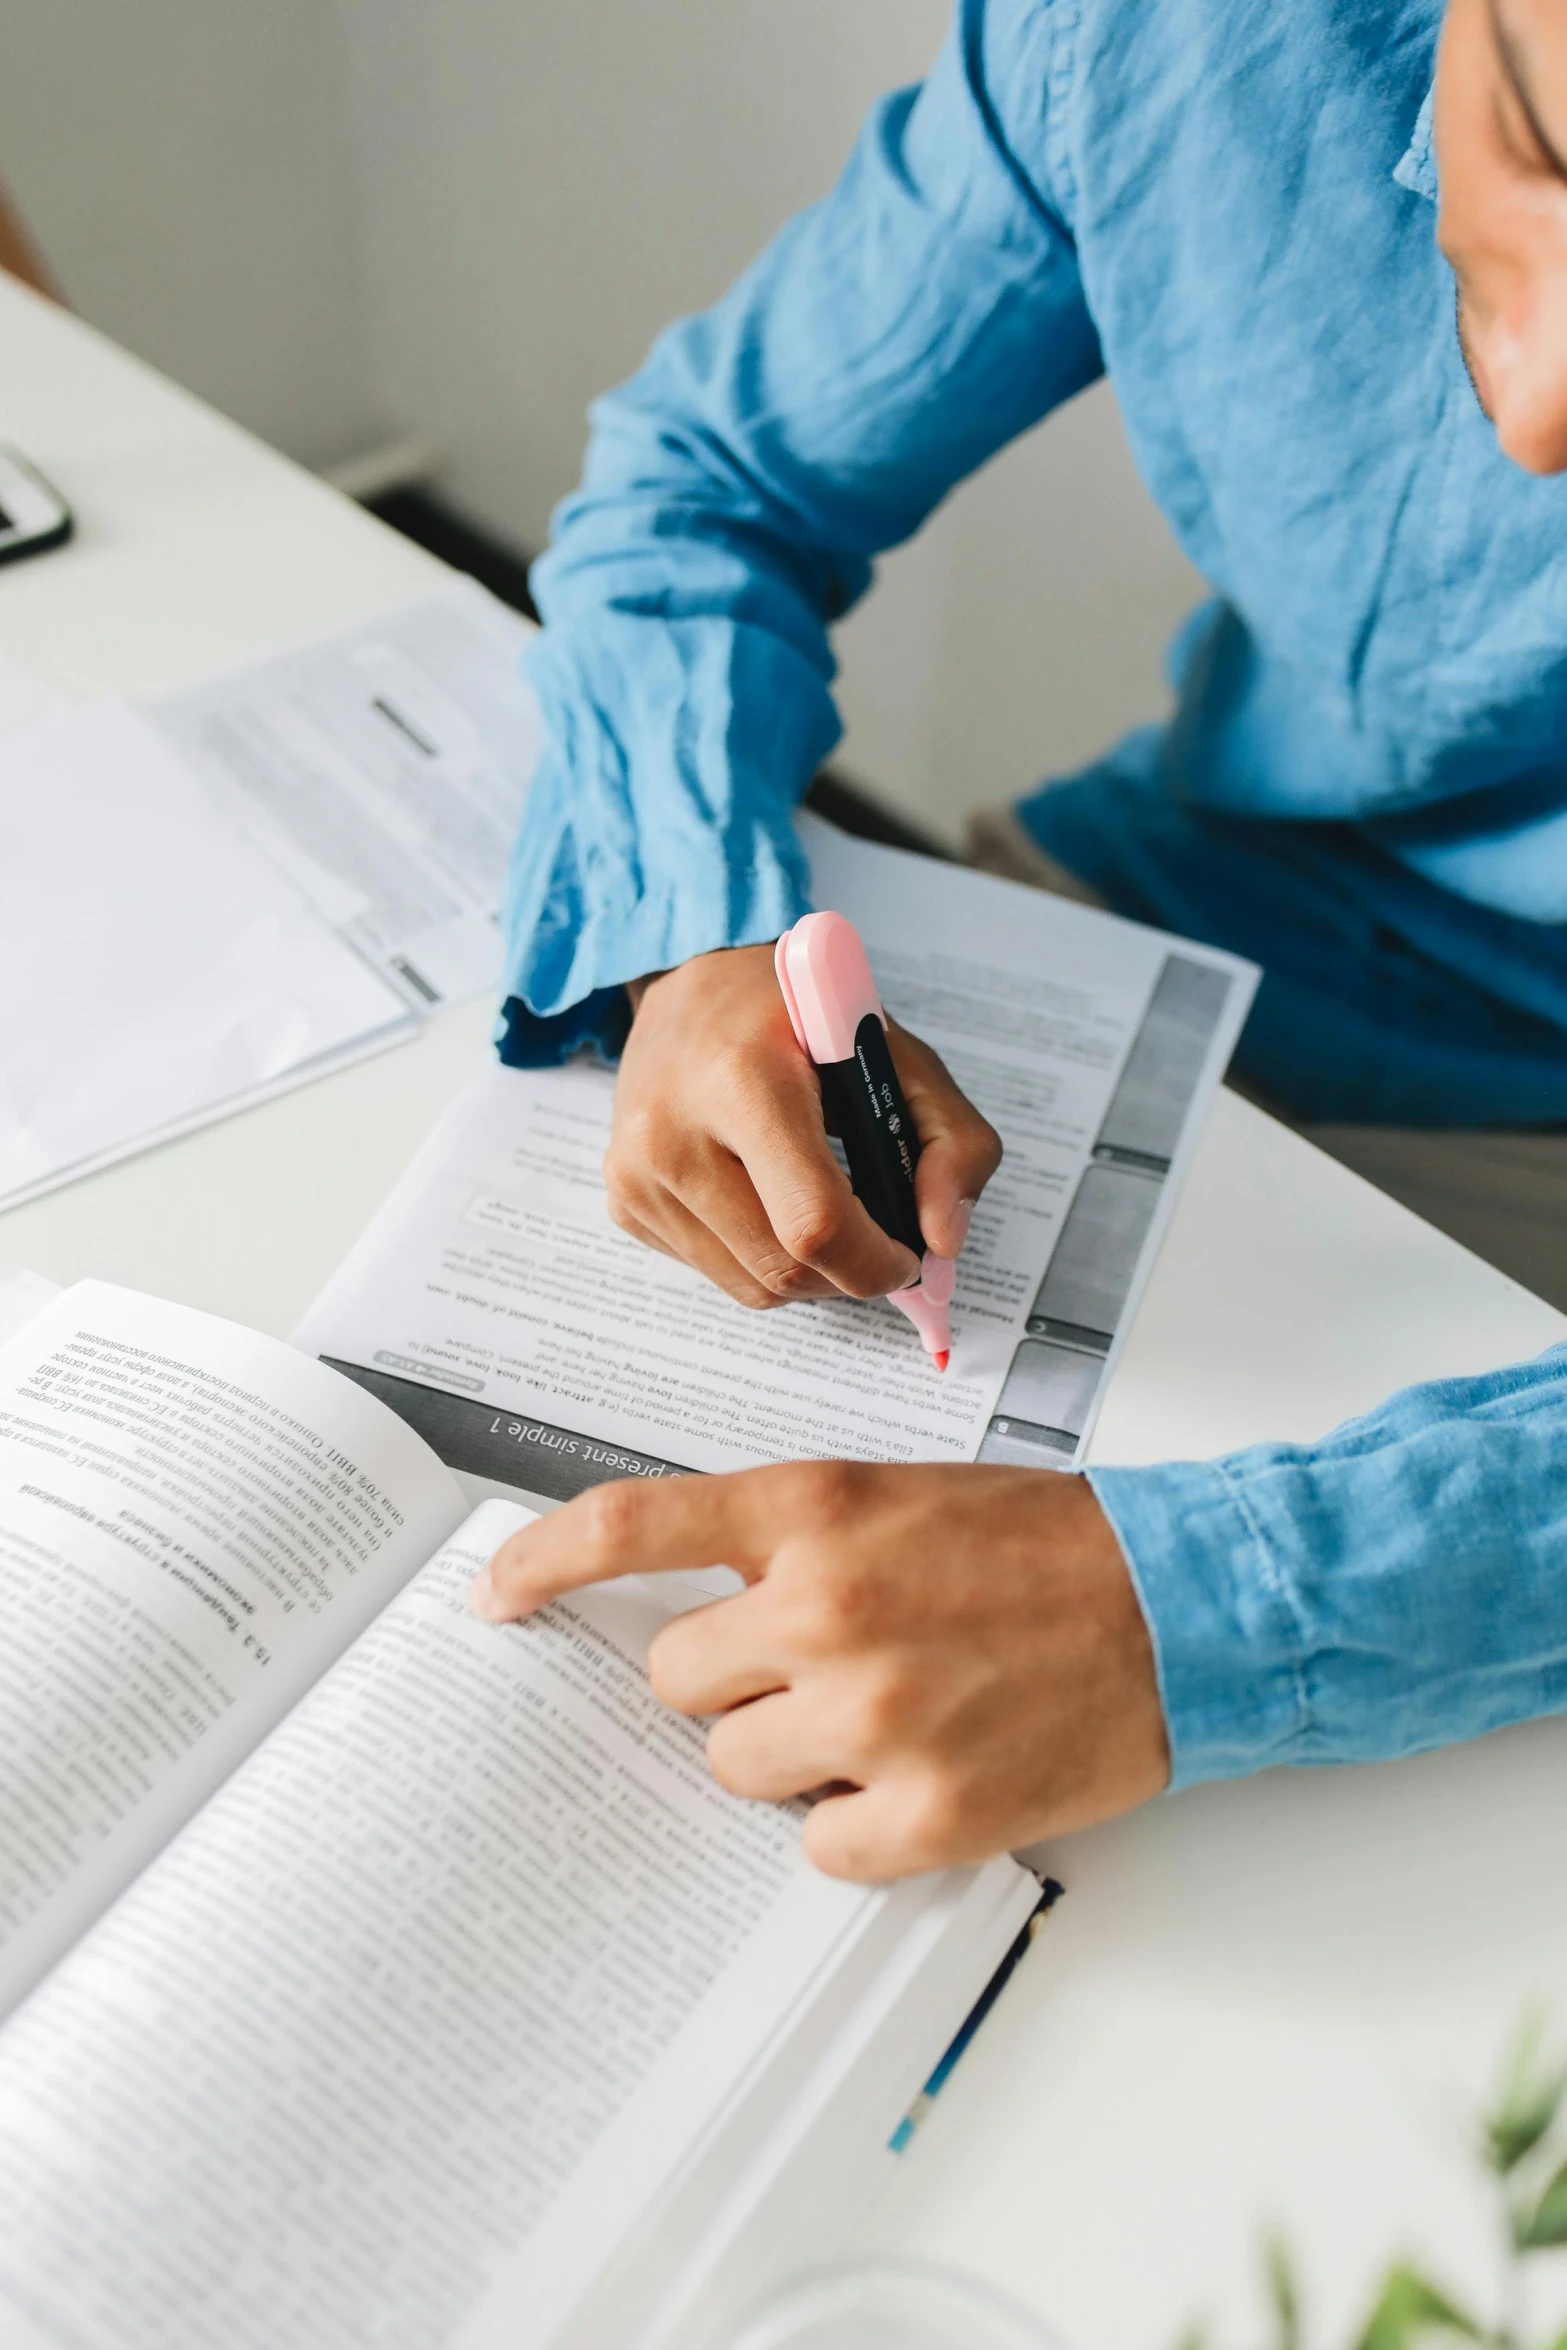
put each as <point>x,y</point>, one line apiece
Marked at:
<point>1322,254</point>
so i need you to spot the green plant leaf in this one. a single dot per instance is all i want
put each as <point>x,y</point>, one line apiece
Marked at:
<point>1410,2309</point>
<point>1530,2100</point>
<point>1282,2293</point>
<point>1545,2222</point>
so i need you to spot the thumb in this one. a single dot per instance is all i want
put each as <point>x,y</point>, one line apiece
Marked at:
<point>959,1150</point>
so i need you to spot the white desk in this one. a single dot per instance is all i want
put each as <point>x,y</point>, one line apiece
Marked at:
<point>1261,2002</point>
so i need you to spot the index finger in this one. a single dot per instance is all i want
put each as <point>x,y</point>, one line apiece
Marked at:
<point>632,1526</point>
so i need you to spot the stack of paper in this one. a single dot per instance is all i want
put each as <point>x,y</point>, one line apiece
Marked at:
<point>232,888</point>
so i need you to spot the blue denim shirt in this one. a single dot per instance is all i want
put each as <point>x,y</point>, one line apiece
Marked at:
<point>1230,207</point>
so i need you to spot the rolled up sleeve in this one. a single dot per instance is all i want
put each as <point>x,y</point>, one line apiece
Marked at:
<point>735,494</point>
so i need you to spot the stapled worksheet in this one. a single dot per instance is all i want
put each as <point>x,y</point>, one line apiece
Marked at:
<point>495,1305</point>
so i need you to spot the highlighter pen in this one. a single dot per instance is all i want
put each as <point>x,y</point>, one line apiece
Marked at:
<point>836,1014</point>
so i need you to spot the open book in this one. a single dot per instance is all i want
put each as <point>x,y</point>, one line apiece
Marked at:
<point>369,1974</point>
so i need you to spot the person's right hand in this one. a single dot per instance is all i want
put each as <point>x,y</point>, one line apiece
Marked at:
<point>718,1153</point>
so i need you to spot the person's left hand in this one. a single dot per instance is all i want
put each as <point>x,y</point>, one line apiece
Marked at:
<point>956,1654</point>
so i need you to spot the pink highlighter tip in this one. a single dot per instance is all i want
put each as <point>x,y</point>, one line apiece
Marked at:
<point>941,1360</point>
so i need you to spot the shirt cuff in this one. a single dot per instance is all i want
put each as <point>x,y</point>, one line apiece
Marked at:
<point>1228,1646</point>
<point>660,823</point>
<point>599,1025</point>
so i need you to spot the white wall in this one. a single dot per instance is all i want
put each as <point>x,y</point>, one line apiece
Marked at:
<point>186,168</point>
<point>463,217</point>
<point>545,182</point>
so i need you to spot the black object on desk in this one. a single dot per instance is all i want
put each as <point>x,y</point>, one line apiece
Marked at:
<point>33,515</point>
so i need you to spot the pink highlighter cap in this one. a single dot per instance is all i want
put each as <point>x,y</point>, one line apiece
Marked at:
<point>827,988</point>
<point>827,985</point>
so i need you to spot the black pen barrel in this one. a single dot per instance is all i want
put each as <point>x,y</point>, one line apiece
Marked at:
<point>864,1101</point>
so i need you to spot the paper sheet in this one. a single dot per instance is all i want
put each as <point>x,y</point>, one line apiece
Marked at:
<point>534,1345</point>
<point>154,968</point>
<point>384,769</point>
<point>24,698</point>
<point>229,888</point>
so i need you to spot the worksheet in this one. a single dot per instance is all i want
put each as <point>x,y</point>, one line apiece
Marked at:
<point>534,1345</point>
<point>383,768</point>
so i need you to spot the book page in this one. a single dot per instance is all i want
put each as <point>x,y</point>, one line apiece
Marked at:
<point>782,2176</point>
<point>331,2063</point>
<point>194,1520</point>
<point>494,1304</point>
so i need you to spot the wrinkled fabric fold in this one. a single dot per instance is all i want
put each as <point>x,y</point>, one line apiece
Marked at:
<point>736,492</point>
<point>630,865</point>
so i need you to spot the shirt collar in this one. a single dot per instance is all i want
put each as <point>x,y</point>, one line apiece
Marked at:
<point>1416,167</point>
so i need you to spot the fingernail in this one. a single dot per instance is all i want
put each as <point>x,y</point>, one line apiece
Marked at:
<point>484,1601</point>
<point>915,1274</point>
<point>941,1279</point>
<point>957,1224</point>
